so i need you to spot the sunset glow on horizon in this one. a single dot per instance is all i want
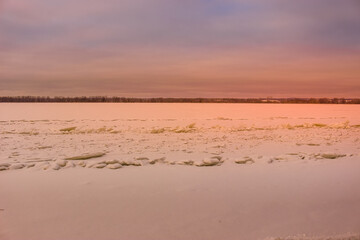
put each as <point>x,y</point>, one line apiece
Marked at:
<point>201,48</point>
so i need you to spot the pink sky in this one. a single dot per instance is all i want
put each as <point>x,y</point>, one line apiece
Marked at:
<point>201,48</point>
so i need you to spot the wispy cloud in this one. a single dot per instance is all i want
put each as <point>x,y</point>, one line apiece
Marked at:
<point>192,48</point>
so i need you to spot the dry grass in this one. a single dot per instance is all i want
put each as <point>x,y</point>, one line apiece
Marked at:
<point>223,119</point>
<point>157,131</point>
<point>69,129</point>
<point>99,130</point>
<point>187,129</point>
<point>29,133</point>
<point>313,144</point>
<point>4,168</point>
<point>332,155</point>
<point>320,125</point>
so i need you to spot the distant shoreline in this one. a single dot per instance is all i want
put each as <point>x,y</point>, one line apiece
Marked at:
<point>103,99</point>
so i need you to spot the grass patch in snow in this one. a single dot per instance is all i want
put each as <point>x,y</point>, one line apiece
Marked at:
<point>69,129</point>
<point>332,155</point>
<point>319,125</point>
<point>313,144</point>
<point>157,131</point>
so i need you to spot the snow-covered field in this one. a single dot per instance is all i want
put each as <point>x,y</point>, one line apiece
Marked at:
<point>179,171</point>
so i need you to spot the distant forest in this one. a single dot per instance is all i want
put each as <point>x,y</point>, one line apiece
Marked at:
<point>104,99</point>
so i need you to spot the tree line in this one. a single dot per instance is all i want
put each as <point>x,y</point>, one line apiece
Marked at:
<point>104,99</point>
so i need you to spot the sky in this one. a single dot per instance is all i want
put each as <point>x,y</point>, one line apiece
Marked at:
<point>180,48</point>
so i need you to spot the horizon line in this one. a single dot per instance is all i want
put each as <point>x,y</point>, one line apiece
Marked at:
<point>118,99</point>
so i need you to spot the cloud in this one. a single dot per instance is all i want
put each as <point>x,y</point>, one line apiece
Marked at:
<point>160,47</point>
